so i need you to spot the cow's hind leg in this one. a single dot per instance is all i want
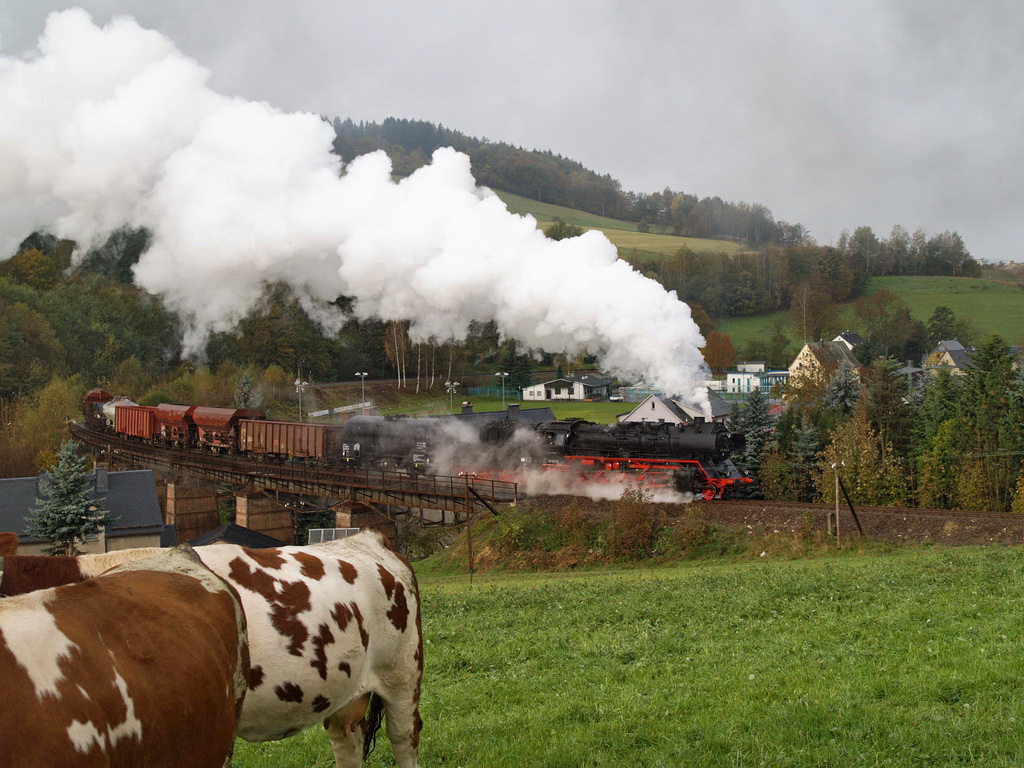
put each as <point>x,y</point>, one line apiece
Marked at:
<point>403,727</point>
<point>347,730</point>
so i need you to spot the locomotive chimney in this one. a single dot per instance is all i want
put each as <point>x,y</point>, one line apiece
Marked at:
<point>467,407</point>
<point>512,414</point>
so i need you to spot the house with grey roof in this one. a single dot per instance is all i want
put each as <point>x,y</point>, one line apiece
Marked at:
<point>850,339</point>
<point>949,355</point>
<point>660,408</point>
<point>818,359</point>
<point>130,497</point>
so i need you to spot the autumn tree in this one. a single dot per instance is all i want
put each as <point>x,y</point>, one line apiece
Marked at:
<point>871,472</point>
<point>813,312</point>
<point>32,267</point>
<point>719,352</point>
<point>939,466</point>
<point>885,321</point>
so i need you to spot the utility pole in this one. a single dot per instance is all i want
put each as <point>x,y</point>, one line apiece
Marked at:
<point>362,390</point>
<point>502,375</point>
<point>835,470</point>
<point>451,386</point>
<point>300,386</point>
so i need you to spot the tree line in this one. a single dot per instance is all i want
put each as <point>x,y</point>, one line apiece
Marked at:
<point>953,443</point>
<point>551,178</point>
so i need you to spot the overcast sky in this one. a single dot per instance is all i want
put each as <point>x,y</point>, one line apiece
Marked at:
<point>832,114</point>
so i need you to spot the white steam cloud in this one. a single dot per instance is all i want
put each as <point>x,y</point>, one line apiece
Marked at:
<point>110,127</point>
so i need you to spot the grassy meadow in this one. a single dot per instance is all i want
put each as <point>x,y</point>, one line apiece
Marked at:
<point>601,413</point>
<point>910,658</point>
<point>994,307</point>
<point>623,234</point>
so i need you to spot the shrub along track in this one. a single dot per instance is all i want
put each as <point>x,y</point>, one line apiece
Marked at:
<point>892,524</point>
<point>888,524</point>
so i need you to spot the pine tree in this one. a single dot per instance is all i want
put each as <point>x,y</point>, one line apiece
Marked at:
<point>65,513</point>
<point>755,422</point>
<point>804,453</point>
<point>990,410</point>
<point>843,389</point>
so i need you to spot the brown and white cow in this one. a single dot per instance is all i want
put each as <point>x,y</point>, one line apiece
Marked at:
<point>143,667</point>
<point>333,628</point>
<point>24,573</point>
<point>329,625</point>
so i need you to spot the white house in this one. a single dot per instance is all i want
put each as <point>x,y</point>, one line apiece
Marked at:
<point>660,408</point>
<point>755,366</point>
<point>742,382</point>
<point>586,387</point>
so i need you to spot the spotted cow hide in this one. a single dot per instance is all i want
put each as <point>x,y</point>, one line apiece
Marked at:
<point>132,668</point>
<point>8,543</point>
<point>328,625</point>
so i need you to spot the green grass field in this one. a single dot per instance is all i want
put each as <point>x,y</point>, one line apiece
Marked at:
<point>905,659</point>
<point>601,413</point>
<point>623,234</point>
<point>994,307</point>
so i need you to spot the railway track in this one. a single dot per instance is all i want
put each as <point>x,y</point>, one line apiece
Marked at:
<point>453,498</point>
<point>895,524</point>
<point>818,507</point>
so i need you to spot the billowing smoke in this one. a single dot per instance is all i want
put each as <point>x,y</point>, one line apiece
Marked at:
<point>110,127</point>
<point>456,450</point>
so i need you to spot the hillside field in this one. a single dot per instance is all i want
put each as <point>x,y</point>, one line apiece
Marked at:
<point>903,659</point>
<point>994,307</point>
<point>633,245</point>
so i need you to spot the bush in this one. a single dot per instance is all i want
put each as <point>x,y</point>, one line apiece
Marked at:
<point>631,535</point>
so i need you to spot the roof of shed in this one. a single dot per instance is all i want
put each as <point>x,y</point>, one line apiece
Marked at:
<point>237,534</point>
<point>130,497</point>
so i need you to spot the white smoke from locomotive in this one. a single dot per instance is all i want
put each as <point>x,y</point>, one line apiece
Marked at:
<point>113,126</point>
<point>456,450</point>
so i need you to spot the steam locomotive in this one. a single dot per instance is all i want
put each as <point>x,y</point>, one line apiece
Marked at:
<point>688,458</point>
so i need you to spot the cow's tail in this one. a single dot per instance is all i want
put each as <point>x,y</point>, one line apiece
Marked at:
<point>373,720</point>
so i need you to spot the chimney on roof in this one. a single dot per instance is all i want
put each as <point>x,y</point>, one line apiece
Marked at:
<point>102,483</point>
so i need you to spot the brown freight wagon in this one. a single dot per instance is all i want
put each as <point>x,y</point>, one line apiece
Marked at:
<point>136,421</point>
<point>289,439</point>
<point>93,398</point>
<point>176,424</point>
<point>218,427</point>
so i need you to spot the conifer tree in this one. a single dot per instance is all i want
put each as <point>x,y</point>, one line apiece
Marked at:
<point>755,422</point>
<point>64,511</point>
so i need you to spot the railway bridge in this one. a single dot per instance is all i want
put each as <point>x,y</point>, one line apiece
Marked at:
<point>423,500</point>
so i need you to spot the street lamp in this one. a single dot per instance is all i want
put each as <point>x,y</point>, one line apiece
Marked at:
<point>451,387</point>
<point>300,386</point>
<point>503,375</point>
<point>362,390</point>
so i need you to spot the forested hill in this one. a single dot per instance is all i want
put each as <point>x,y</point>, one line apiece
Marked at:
<point>551,178</point>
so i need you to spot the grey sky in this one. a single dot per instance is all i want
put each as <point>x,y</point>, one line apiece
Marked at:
<point>834,115</point>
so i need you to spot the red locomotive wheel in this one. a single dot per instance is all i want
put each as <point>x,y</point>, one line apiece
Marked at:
<point>708,493</point>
